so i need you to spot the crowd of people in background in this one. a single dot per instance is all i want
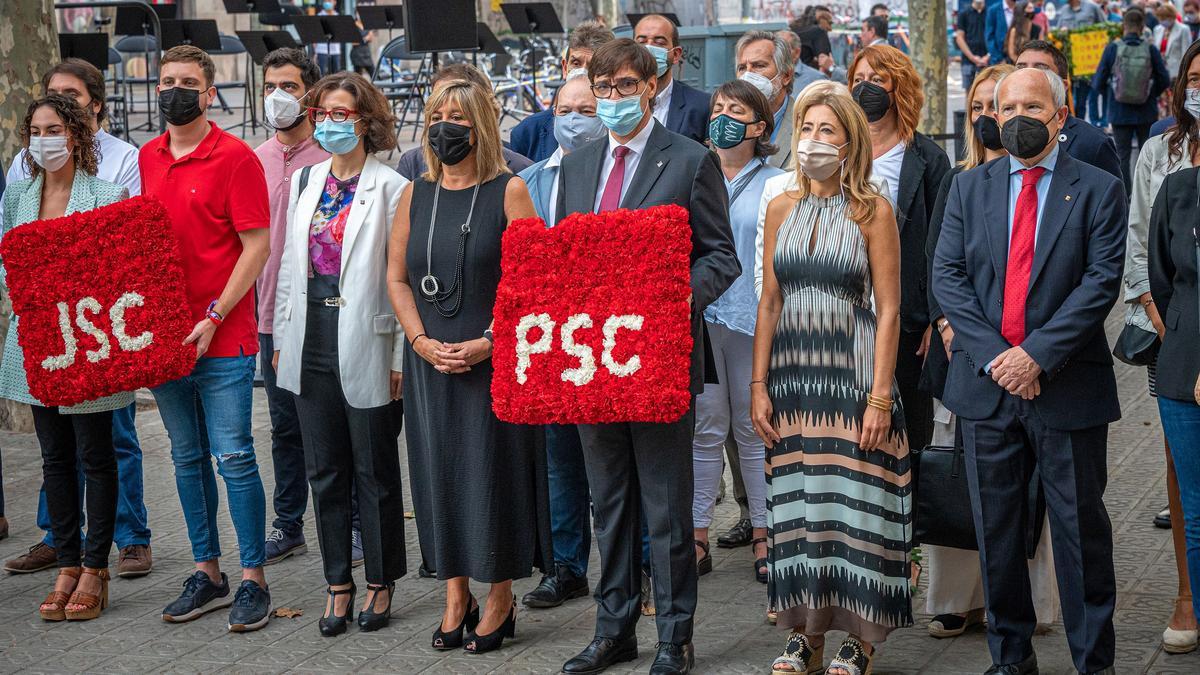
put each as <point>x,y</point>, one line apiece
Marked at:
<point>857,295</point>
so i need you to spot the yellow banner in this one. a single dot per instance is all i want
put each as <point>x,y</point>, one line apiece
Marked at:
<point>1086,49</point>
<point>496,5</point>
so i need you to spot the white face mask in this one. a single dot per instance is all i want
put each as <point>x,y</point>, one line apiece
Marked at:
<point>761,83</point>
<point>817,159</point>
<point>50,152</point>
<point>1192,102</point>
<point>281,109</point>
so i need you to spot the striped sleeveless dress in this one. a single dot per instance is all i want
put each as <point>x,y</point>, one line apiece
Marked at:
<point>839,518</point>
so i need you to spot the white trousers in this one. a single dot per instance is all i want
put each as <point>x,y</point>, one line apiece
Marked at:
<point>955,579</point>
<point>721,408</point>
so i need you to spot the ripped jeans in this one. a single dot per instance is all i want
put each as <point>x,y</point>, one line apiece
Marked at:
<point>208,412</point>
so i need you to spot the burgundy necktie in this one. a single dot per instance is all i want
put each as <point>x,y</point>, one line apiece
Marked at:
<point>611,199</point>
<point>1020,257</point>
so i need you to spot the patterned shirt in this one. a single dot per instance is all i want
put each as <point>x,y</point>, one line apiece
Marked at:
<point>329,225</point>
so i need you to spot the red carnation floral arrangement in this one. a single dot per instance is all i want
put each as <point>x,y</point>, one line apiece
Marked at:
<point>102,302</point>
<point>593,319</point>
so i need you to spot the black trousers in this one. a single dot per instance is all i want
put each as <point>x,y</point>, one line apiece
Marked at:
<point>347,447</point>
<point>918,405</point>
<point>1123,136</point>
<point>635,469</point>
<point>68,441</point>
<point>1001,455</point>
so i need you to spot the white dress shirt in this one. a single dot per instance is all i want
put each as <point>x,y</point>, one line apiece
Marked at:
<point>637,146</point>
<point>662,103</point>
<point>118,164</point>
<point>552,164</point>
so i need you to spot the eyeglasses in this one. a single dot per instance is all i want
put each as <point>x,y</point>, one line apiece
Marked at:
<point>318,115</point>
<point>626,86</point>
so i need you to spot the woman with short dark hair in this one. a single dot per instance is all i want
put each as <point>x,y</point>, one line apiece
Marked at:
<point>61,159</point>
<point>338,347</point>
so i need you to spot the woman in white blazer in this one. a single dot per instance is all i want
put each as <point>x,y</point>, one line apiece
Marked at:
<point>1178,36</point>
<point>339,347</point>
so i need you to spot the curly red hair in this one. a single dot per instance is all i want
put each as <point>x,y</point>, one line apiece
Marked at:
<point>907,93</point>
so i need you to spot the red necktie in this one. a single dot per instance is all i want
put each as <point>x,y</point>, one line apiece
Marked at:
<point>611,199</point>
<point>1020,257</point>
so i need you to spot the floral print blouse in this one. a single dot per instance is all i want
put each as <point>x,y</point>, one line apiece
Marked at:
<point>329,225</point>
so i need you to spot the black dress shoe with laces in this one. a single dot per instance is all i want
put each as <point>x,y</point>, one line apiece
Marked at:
<point>738,535</point>
<point>1027,667</point>
<point>673,659</point>
<point>556,589</point>
<point>602,654</point>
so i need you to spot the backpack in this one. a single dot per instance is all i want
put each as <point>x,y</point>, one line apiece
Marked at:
<point>1133,72</point>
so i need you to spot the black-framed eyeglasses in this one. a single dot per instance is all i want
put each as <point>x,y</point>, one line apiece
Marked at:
<point>626,86</point>
<point>318,115</point>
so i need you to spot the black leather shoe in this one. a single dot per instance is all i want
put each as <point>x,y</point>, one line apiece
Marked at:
<point>602,654</point>
<point>738,535</point>
<point>556,589</point>
<point>1027,667</point>
<point>673,659</point>
<point>1162,519</point>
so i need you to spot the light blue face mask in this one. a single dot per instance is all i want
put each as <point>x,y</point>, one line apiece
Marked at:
<point>337,138</point>
<point>660,57</point>
<point>622,115</point>
<point>574,130</point>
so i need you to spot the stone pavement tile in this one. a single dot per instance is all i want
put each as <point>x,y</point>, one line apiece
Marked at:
<point>191,667</point>
<point>329,661</point>
<point>76,661</point>
<point>388,664</point>
<point>127,663</point>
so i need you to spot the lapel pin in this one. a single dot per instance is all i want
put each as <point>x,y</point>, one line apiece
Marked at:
<point>1068,197</point>
<point>660,163</point>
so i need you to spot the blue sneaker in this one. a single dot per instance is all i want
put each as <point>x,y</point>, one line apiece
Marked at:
<point>251,608</point>
<point>200,596</point>
<point>282,545</point>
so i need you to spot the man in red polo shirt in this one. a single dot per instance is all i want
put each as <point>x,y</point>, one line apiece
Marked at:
<point>213,187</point>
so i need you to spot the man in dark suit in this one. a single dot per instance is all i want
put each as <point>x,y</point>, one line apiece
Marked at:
<point>1027,268</point>
<point>636,468</point>
<point>1084,142</point>
<point>676,106</point>
<point>999,18</point>
<point>533,137</point>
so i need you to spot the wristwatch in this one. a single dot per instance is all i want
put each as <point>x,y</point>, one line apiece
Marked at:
<point>487,335</point>
<point>941,325</point>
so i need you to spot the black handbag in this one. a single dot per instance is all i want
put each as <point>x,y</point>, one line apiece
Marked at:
<point>1137,346</point>
<point>943,515</point>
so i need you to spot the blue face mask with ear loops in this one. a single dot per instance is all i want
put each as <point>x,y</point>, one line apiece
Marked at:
<point>660,57</point>
<point>337,138</point>
<point>622,115</point>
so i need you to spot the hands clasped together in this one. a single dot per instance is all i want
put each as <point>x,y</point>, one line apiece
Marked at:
<point>1017,373</point>
<point>452,358</point>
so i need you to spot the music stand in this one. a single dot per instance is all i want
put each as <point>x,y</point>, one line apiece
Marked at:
<point>381,17</point>
<point>135,20</point>
<point>259,43</point>
<point>532,18</point>
<point>200,33</point>
<point>327,30</point>
<point>91,47</point>
<point>635,18</point>
<point>249,7</point>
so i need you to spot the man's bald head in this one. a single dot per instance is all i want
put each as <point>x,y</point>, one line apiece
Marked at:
<point>575,95</point>
<point>1037,95</point>
<point>1030,84</point>
<point>654,26</point>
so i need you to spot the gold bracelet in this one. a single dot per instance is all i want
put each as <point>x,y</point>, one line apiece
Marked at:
<point>879,403</point>
<point>754,382</point>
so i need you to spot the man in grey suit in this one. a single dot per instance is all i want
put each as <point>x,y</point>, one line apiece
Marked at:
<point>1027,268</point>
<point>765,60</point>
<point>638,467</point>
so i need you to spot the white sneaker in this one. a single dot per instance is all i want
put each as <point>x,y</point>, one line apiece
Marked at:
<point>1179,641</point>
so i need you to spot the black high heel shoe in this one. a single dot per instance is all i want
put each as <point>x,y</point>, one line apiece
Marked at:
<point>370,620</point>
<point>481,644</point>
<point>333,624</point>
<point>447,640</point>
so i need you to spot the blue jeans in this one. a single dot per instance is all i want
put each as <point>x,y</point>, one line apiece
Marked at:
<point>287,447</point>
<point>570,512</point>
<point>969,70</point>
<point>215,400</point>
<point>132,528</point>
<point>1181,424</point>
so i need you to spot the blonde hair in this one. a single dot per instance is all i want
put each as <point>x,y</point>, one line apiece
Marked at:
<point>861,193</point>
<point>975,150</point>
<point>477,105</point>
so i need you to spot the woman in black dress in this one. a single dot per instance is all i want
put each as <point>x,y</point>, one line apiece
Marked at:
<point>478,484</point>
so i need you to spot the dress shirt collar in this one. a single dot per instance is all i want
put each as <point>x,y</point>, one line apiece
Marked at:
<point>555,159</point>
<point>664,97</point>
<point>637,144</point>
<point>293,149</point>
<point>753,164</point>
<point>1048,162</point>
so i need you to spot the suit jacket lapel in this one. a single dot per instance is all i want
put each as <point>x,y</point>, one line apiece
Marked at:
<point>675,109</point>
<point>580,196</point>
<point>996,216</point>
<point>82,197</point>
<point>29,205</point>
<point>1068,136</point>
<point>911,169</point>
<point>544,182</point>
<point>783,140</point>
<point>654,159</point>
<point>1060,198</point>
<point>306,206</point>
<point>358,211</point>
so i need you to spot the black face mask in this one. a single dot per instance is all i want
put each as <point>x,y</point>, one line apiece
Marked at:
<point>179,105</point>
<point>988,132</point>
<point>450,142</point>
<point>873,99</point>
<point>1025,137</point>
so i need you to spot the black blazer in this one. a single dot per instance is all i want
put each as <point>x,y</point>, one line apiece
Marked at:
<point>933,375</point>
<point>1173,273</point>
<point>1088,144</point>
<point>673,170</point>
<point>688,115</point>
<point>1074,283</point>
<point>921,173</point>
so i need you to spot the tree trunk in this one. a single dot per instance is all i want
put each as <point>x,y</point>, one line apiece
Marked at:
<point>927,35</point>
<point>28,42</point>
